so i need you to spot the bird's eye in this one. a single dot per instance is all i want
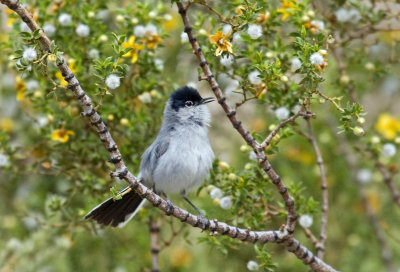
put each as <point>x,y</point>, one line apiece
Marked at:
<point>188,103</point>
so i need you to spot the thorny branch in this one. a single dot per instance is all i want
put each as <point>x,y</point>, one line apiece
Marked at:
<point>283,235</point>
<point>259,149</point>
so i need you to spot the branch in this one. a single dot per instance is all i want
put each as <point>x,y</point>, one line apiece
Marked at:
<point>292,244</point>
<point>267,140</point>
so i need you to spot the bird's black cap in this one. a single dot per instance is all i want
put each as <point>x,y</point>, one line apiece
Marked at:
<point>180,96</point>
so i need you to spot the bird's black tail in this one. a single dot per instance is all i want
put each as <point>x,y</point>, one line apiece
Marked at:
<point>117,212</point>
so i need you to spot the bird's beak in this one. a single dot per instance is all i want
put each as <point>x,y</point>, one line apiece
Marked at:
<point>207,100</point>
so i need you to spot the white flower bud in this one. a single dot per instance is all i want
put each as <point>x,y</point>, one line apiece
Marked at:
<point>29,54</point>
<point>295,64</point>
<point>306,220</point>
<point>361,120</point>
<point>389,150</point>
<point>364,175</point>
<point>113,81</point>
<point>254,31</point>
<point>282,113</point>
<point>145,98</point>
<point>253,77</point>
<point>184,37</point>
<point>94,53</point>
<point>159,64</point>
<point>252,265</point>
<point>32,85</point>
<point>358,131</point>
<point>49,29</point>
<point>317,59</point>
<point>139,31</point>
<point>82,30</point>
<point>216,193</point>
<point>65,19</point>
<point>151,29</point>
<point>225,202</point>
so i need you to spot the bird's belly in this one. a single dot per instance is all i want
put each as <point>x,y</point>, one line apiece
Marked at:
<point>184,167</point>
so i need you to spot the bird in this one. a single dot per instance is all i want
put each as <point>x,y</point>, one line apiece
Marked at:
<point>178,160</point>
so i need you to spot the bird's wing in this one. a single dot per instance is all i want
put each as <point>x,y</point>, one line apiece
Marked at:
<point>151,156</point>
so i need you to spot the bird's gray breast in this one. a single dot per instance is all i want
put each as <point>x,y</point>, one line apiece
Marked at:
<point>185,161</point>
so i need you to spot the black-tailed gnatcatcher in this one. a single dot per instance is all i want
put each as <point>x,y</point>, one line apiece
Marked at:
<point>177,161</point>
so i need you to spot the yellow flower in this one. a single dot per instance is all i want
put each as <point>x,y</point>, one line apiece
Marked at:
<point>151,40</point>
<point>20,86</point>
<point>388,126</point>
<point>61,135</point>
<point>6,124</point>
<point>221,41</point>
<point>287,7</point>
<point>135,48</point>
<point>71,65</point>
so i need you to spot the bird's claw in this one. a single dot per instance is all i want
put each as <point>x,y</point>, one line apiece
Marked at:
<point>203,222</point>
<point>170,209</point>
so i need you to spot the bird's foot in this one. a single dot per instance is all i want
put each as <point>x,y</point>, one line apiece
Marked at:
<point>170,209</point>
<point>203,221</point>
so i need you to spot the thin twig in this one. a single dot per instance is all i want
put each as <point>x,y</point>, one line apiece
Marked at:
<point>154,243</point>
<point>324,188</point>
<point>388,179</point>
<point>275,131</point>
<point>312,237</point>
<point>174,234</point>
